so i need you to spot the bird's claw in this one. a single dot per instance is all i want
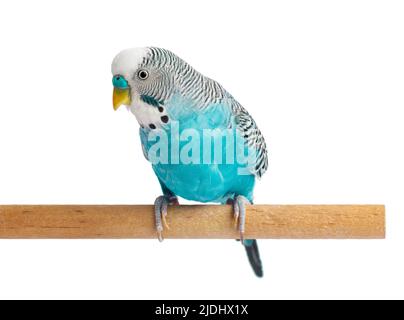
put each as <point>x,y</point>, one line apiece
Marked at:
<point>236,213</point>
<point>160,213</point>
<point>239,209</point>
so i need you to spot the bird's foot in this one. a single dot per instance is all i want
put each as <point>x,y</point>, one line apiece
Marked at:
<point>239,214</point>
<point>160,212</point>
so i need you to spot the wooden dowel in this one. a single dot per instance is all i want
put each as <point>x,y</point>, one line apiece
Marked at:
<point>192,222</point>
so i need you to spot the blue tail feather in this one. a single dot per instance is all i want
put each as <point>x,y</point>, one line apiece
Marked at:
<point>251,247</point>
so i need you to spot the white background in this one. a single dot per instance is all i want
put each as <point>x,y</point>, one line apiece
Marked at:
<point>324,80</point>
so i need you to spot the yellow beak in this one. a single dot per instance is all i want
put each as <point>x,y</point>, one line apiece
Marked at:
<point>120,97</point>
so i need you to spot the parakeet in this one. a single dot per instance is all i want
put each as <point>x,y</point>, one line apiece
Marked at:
<point>173,103</point>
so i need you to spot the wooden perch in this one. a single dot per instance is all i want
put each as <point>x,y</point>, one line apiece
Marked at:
<point>192,222</point>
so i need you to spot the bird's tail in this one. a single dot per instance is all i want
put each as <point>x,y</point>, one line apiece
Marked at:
<point>253,254</point>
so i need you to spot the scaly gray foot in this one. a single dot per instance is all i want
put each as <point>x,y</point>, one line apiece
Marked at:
<point>160,213</point>
<point>239,209</point>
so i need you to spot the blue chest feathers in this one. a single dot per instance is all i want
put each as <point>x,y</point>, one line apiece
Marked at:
<point>195,155</point>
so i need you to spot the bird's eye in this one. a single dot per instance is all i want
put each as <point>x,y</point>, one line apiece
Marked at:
<point>142,74</point>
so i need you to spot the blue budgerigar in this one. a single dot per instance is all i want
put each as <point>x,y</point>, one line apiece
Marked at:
<point>173,104</point>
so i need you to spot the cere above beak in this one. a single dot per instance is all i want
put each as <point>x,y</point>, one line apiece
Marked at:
<point>121,93</point>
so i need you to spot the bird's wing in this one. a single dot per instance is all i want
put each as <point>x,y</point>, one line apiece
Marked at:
<point>253,138</point>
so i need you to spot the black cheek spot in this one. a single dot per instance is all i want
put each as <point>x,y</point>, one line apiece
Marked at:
<point>164,119</point>
<point>152,126</point>
<point>161,109</point>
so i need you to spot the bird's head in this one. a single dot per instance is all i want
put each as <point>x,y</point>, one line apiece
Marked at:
<point>141,72</point>
<point>127,75</point>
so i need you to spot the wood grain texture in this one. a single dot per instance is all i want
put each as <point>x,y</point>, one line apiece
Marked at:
<point>192,222</point>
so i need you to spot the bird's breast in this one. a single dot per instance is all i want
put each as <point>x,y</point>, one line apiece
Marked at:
<point>148,116</point>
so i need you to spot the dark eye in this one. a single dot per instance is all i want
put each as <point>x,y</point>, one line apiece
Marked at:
<point>142,74</point>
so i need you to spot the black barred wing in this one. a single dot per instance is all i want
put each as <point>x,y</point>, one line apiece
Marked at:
<point>253,138</point>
